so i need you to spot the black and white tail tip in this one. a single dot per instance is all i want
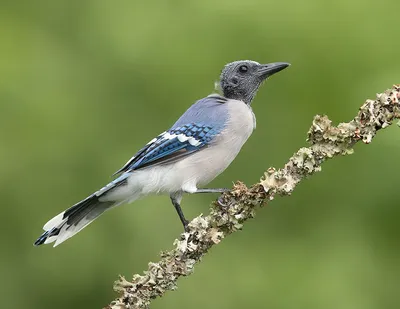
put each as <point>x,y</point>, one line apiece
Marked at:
<point>51,231</point>
<point>73,220</point>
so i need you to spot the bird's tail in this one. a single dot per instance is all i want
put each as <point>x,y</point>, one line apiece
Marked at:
<point>72,220</point>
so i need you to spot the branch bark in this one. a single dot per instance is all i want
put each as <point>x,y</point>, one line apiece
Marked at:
<point>237,206</point>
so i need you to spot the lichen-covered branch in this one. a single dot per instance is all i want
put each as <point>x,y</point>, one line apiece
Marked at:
<point>235,207</point>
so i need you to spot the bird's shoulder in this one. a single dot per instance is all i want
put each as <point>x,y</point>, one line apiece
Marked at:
<point>211,110</point>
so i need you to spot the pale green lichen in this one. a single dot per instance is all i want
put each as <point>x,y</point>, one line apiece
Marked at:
<point>238,205</point>
<point>328,141</point>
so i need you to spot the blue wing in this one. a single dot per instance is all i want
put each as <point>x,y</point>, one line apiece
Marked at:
<point>194,130</point>
<point>171,145</point>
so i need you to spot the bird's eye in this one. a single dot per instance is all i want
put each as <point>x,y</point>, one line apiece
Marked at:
<point>243,69</point>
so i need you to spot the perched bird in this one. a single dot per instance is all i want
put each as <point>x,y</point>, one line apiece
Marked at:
<point>197,148</point>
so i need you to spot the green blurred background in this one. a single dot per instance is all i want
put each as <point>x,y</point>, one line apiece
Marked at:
<point>84,84</point>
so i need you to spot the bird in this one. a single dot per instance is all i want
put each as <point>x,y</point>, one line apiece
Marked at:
<point>198,147</point>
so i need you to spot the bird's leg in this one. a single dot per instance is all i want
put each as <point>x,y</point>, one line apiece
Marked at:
<point>210,190</point>
<point>217,190</point>
<point>176,201</point>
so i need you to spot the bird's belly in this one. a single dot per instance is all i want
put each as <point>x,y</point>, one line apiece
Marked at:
<point>203,166</point>
<point>196,170</point>
<point>187,174</point>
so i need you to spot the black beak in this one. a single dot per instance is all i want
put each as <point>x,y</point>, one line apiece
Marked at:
<point>266,70</point>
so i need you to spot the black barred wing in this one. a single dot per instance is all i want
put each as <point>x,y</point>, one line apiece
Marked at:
<point>171,145</point>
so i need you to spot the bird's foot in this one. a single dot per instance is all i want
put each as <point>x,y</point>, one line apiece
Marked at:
<point>221,202</point>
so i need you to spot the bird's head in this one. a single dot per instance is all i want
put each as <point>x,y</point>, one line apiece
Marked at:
<point>240,80</point>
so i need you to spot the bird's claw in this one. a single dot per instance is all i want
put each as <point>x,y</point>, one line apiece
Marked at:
<point>221,203</point>
<point>186,226</point>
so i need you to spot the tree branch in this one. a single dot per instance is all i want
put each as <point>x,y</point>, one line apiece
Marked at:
<point>238,205</point>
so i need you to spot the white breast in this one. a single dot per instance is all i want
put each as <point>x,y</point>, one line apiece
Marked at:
<point>203,166</point>
<point>242,120</point>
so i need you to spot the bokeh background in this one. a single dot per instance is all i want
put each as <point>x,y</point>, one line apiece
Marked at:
<point>84,84</point>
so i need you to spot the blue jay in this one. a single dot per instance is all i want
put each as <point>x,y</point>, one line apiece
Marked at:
<point>196,149</point>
